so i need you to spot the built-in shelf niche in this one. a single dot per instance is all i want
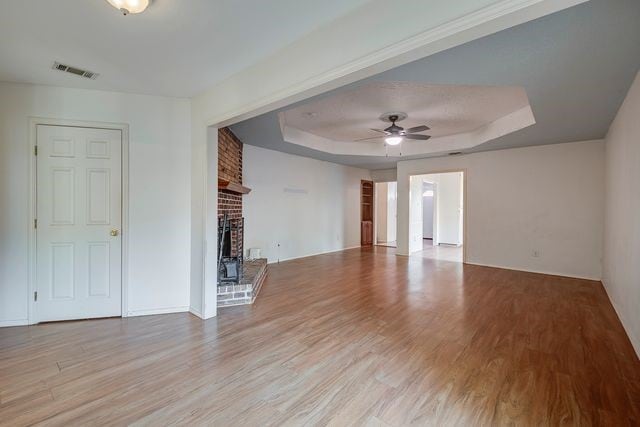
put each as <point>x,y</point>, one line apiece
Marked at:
<point>366,213</point>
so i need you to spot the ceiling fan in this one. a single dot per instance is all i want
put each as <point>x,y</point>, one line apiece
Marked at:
<point>394,134</point>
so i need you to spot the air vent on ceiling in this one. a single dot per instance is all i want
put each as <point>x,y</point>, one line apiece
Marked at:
<point>76,71</point>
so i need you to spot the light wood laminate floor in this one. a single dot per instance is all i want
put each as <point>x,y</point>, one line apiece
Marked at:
<point>359,337</point>
<point>440,252</point>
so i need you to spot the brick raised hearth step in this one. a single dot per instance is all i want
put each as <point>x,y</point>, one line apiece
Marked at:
<point>245,292</point>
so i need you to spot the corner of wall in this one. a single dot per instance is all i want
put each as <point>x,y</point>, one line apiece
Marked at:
<point>626,324</point>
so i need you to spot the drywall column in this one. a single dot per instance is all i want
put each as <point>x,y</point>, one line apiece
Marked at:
<point>402,224</point>
<point>211,226</point>
<point>415,214</point>
<point>621,271</point>
<point>204,214</point>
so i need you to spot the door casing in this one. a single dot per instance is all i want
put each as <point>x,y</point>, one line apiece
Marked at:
<point>465,239</point>
<point>124,128</point>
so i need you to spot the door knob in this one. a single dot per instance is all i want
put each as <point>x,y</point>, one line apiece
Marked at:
<point>114,232</point>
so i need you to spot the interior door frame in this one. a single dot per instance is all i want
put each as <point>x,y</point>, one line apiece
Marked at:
<point>464,171</point>
<point>124,129</point>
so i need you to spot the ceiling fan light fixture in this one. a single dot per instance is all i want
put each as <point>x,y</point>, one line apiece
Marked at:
<point>393,140</point>
<point>130,6</point>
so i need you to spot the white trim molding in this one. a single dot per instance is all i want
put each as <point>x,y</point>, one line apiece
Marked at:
<point>196,312</point>
<point>16,322</point>
<point>316,254</point>
<point>166,310</point>
<point>529,270</point>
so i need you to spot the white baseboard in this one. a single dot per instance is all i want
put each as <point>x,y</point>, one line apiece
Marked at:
<point>196,312</point>
<point>317,253</point>
<point>165,310</point>
<point>635,341</point>
<point>528,270</point>
<point>10,323</point>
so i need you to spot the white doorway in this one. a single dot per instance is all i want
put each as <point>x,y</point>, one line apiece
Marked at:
<point>428,210</point>
<point>437,216</point>
<point>78,223</point>
<point>386,216</point>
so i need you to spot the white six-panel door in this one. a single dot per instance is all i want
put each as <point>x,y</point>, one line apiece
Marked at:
<point>79,218</point>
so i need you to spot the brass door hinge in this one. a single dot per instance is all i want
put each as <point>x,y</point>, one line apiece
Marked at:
<point>35,150</point>
<point>35,223</point>
<point>35,296</point>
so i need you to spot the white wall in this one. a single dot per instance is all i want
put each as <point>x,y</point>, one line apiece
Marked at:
<point>448,205</point>
<point>384,175</point>
<point>547,199</point>
<point>386,206</point>
<point>392,207</point>
<point>305,205</point>
<point>427,212</point>
<point>159,190</point>
<point>381,212</point>
<point>621,275</point>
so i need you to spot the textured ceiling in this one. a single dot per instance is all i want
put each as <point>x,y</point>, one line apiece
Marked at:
<point>175,48</point>
<point>349,115</point>
<point>575,65</point>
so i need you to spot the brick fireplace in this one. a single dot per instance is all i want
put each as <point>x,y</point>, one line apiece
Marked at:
<point>230,193</point>
<point>230,169</point>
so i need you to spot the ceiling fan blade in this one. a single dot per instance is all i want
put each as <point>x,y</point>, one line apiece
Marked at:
<point>383,132</point>
<point>419,137</point>
<point>420,128</point>
<point>367,139</point>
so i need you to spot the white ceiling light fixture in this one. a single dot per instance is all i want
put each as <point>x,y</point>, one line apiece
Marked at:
<point>130,6</point>
<point>393,140</point>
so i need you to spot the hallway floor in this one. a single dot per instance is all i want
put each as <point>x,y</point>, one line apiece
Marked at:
<point>440,252</point>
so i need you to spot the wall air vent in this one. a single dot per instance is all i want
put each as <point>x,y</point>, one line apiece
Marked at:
<point>76,71</point>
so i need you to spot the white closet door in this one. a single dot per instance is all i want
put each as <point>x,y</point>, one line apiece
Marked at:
<point>79,219</point>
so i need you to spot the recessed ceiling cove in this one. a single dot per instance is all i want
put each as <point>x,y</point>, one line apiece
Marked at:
<point>458,116</point>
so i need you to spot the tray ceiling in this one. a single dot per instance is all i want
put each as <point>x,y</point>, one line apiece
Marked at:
<point>576,66</point>
<point>463,113</point>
